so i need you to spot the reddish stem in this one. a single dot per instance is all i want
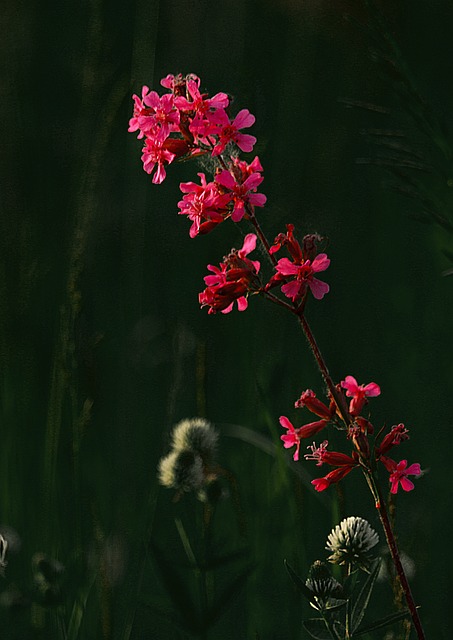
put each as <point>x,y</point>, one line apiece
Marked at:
<point>392,545</point>
<point>338,398</point>
<point>340,401</point>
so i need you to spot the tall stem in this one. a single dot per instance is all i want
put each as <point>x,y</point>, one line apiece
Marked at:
<point>393,547</point>
<point>341,403</point>
<point>339,399</point>
<point>380,503</point>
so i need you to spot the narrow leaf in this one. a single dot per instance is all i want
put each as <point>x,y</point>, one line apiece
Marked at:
<point>186,543</point>
<point>363,599</point>
<point>300,584</point>
<point>229,558</point>
<point>177,591</point>
<point>334,605</point>
<point>383,622</point>
<point>223,601</point>
<point>316,628</point>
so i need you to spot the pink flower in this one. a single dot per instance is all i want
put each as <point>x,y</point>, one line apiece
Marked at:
<point>229,131</point>
<point>399,472</point>
<point>200,104</point>
<point>154,116</point>
<point>304,276</point>
<point>162,113</point>
<point>294,436</point>
<point>359,393</point>
<point>235,277</point>
<point>177,84</point>
<point>155,153</point>
<point>291,438</point>
<point>397,434</point>
<point>321,484</point>
<point>289,240</point>
<point>203,204</point>
<point>245,169</point>
<point>334,458</point>
<point>308,399</point>
<point>242,194</point>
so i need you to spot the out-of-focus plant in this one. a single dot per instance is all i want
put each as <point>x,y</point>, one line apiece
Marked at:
<point>414,145</point>
<point>190,467</point>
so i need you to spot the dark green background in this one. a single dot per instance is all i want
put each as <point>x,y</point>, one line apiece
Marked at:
<point>103,346</point>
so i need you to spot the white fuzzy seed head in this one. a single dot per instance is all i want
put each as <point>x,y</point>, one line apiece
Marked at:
<point>197,435</point>
<point>181,470</point>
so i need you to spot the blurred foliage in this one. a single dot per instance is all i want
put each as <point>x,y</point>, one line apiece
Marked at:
<point>102,344</point>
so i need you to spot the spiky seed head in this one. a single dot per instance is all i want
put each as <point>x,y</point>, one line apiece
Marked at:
<point>321,583</point>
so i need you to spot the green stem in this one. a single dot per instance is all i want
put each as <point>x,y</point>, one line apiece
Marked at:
<point>330,627</point>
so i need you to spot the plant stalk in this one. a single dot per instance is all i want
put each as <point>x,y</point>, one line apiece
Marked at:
<point>393,547</point>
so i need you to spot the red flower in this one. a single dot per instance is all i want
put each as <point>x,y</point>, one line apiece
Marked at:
<point>242,194</point>
<point>203,204</point>
<point>304,276</point>
<point>321,484</point>
<point>199,103</point>
<point>155,153</point>
<point>399,472</point>
<point>232,280</point>
<point>397,434</point>
<point>294,436</point>
<point>308,399</point>
<point>229,131</point>
<point>154,116</point>
<point>359,394</point>
<point>334,458</point>
<point>288,239</point>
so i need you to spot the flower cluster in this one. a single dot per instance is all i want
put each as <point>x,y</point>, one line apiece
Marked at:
<point>185,124</point>
<point>358,429</point>
<point>232,280</point>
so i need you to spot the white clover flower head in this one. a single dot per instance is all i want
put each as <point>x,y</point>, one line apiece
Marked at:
<point>181,470</point>
<point>350,542</point>
<point>197,435</point>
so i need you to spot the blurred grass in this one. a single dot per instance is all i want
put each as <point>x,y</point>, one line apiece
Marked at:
<point>103,347</point>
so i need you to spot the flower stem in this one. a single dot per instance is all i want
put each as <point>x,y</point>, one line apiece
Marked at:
<point>348,419</point>
<point>260,234</point>
<point>380,503</point>
<point>338,398</point>
<point>393,547</point>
